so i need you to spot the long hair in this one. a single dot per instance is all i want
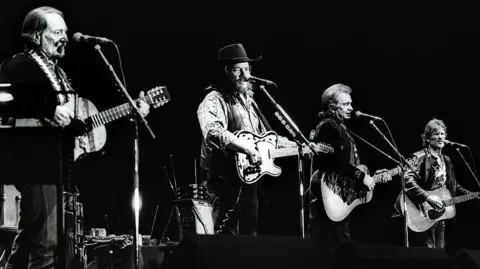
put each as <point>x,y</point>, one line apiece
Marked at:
<point>330,96</point>
<point>430,128</point>
<point>35,23</point>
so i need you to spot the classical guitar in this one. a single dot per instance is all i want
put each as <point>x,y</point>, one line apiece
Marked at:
<point>339,203</point>
<point>95,136</point>
<point>266,144</point>
<point>420,217</point>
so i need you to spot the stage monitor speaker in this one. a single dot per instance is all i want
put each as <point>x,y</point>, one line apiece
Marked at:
<point>354,255</point>
<point>467,259</point>
<point>111,256</point>
<point>245,252</point>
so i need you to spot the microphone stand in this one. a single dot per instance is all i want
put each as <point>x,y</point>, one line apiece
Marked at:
<point>468,166</point>
<point>293,129</point>
<point>402,160</point>
<point>136,183</point>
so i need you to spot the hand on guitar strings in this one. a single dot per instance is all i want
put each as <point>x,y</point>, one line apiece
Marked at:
<point>63,116</point>
<point>435,201</point>
<point>384,177</point>
<point>255,157</point>
<point>252,152</point>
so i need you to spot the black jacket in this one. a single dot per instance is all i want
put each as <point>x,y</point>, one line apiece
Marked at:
<point>416,188</point>
<point>34,96</point>
<point>339,167</point>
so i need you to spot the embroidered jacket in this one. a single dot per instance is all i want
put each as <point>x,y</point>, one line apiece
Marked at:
<point>341,174</point>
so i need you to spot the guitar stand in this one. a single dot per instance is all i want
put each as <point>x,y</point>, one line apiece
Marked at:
<point>174,210</point>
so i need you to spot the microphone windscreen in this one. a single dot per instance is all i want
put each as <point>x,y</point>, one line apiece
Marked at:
<point>77,37</point>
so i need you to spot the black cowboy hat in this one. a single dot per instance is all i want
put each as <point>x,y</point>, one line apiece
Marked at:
<point>234,53</point>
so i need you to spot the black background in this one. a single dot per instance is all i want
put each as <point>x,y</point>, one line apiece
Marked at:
<point>406,61</point>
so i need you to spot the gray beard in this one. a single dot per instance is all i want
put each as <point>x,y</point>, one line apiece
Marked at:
<point>244,89</point>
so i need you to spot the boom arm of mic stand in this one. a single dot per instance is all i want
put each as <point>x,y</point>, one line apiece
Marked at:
<point>127,96</point>
<point>402,159</point>
<point>291,127</point>
<point>468,166</point>
<point>299,137</point>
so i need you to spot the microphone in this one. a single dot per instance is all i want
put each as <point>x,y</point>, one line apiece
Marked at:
<point>261,81</point>
<point>448,142</point>
<point>360,114</point>
<point>79,37</point>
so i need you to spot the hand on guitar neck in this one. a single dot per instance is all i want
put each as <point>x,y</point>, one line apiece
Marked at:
<point>381,175</point>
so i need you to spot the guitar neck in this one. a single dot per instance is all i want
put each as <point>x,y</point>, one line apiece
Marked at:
<point>392,172</point>
<point>283,152</point>
<point>115,113</point>
<point>460,199</point>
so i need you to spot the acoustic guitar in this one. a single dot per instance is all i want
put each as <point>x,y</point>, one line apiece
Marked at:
<point>93,121</point>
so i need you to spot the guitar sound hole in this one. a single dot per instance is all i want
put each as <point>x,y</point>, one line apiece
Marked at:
<point>435,214</point>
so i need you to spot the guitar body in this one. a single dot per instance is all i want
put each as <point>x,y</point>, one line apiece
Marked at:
<point>421,217</point>
<point>265,143</point>
<point>95,139</point>
<point>92,141</point>
<point>336,207</point>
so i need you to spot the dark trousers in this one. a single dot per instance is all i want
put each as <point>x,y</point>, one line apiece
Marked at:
<point>235,206</point>
<point>432,238</point>
<point>328,235</point>
<point>35,244</point>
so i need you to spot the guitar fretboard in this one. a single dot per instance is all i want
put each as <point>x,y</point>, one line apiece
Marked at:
<point>115,113</point>
<point>392,172</point>
<point>460,199</point>
<point>284,152</point>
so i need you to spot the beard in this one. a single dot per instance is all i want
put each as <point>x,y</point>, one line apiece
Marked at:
<point>243,87</point>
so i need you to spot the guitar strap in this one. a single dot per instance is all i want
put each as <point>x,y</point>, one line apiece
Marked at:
<point>262,117</point>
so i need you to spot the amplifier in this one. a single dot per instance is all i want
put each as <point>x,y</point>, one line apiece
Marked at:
<point>10,207</point>
<point>195,216</point>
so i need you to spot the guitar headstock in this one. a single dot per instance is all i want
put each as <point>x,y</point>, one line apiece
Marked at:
<point>157,96</point>
<point>322,147</point>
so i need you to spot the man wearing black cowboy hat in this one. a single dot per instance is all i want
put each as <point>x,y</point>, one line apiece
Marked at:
<point>230,107</point>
